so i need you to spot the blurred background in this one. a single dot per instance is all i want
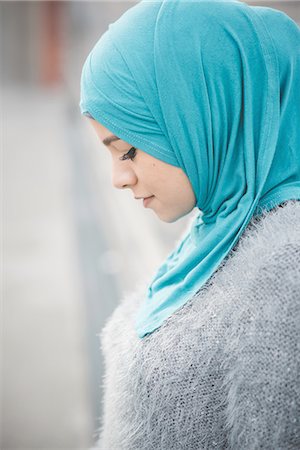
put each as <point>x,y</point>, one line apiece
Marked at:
<point>72,245</point>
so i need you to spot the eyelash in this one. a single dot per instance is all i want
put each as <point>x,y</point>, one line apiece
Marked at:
<point>129,155</point>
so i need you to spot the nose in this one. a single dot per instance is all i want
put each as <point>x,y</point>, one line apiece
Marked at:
<point>123,176</point>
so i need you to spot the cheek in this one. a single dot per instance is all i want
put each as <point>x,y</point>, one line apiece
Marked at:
<point>169,184</point>
<point>154,178</point>
<point>179,196</point>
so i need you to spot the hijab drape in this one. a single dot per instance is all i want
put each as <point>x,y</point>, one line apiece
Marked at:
<point>212,87</point>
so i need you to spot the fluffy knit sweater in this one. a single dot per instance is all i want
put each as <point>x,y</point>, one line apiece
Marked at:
<point>223,372</point>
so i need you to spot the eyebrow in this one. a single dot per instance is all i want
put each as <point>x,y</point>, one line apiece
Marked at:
<point>109,139</point>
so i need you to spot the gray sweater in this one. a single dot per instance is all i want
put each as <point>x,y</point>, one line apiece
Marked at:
<point>223,372</point>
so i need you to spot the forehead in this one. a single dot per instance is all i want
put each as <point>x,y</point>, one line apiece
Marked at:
<point>100,129</point>
<point>105,135</point>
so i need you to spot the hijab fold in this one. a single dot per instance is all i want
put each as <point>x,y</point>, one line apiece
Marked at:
<point>212,87</point>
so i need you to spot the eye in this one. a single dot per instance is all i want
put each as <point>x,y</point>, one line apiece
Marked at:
<point>129,155</point>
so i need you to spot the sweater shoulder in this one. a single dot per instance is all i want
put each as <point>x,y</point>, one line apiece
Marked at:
<point>270,243</point>
<point>266,263</point>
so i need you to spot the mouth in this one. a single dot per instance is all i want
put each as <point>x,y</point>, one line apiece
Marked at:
<point>147,200</point>
<point>139,198</point>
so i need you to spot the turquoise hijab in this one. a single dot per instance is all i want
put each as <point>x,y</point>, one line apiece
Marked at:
<point>212,87</point>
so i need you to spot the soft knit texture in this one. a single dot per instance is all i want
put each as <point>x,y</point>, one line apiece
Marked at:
<point>212,87</point>
<point>223,371</point>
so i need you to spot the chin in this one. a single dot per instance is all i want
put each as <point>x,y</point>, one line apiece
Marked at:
<point>170,218</point>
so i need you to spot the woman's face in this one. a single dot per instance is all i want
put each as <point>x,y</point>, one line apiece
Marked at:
<point>168,186</point>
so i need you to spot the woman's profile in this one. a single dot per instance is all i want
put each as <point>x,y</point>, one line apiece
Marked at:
<point>198,103</point>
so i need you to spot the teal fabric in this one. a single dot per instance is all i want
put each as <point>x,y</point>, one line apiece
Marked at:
<point>212,87</point>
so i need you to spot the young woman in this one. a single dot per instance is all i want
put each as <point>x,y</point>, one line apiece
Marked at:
<point>199,104</point>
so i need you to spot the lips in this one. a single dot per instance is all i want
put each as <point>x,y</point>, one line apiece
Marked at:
<point>147,200</point>
<point>143,197</point>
